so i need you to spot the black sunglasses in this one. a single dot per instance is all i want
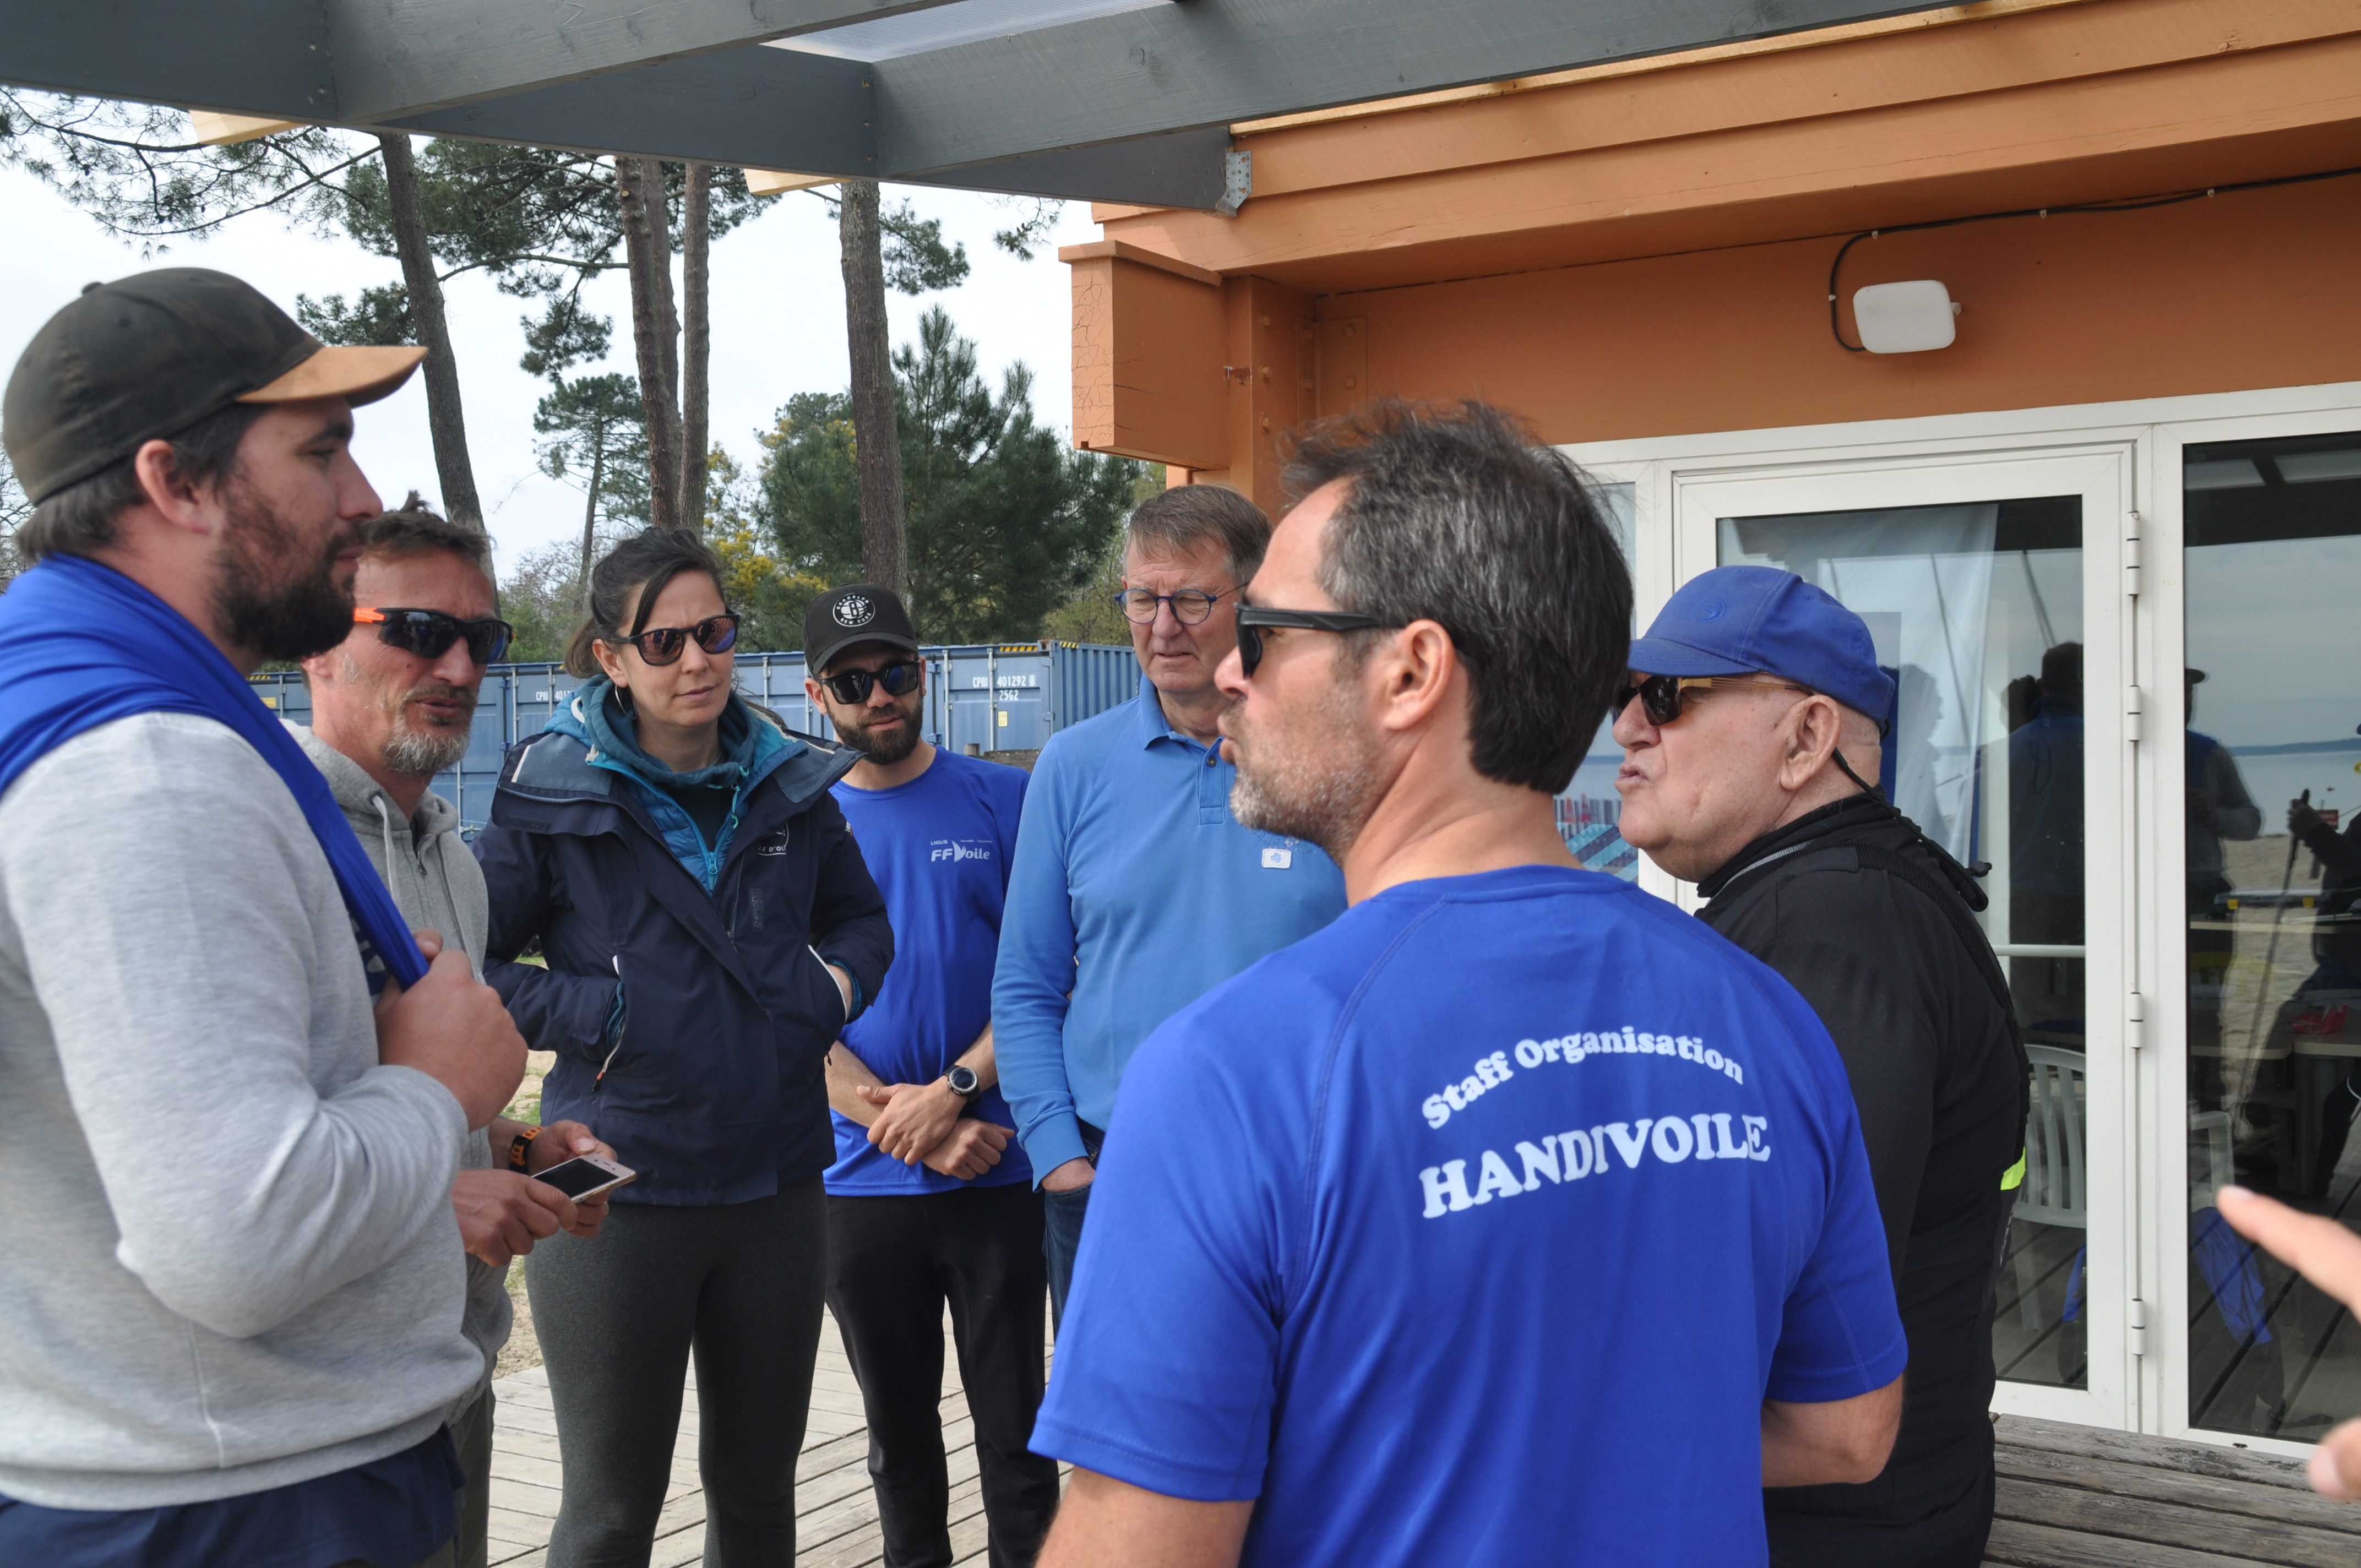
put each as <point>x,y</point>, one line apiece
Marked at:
<point>1661,698</point>
<point>664,645</point>
<point>429,634</point>
<point>899,679</point>
<point>1252,618</point>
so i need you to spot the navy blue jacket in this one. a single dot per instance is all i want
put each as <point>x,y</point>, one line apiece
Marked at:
<point>715,1090</point>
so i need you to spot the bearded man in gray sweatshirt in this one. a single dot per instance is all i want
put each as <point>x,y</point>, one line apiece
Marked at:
<point>392,707</point>
<point>234,1083</point>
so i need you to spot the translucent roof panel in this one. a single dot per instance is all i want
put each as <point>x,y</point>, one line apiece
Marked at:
<point>943,27</point>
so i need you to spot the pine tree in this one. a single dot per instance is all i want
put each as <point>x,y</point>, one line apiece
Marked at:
<point>1005,522</point>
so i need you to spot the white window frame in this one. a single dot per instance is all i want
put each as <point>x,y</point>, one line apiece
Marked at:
<point>2149,631</point>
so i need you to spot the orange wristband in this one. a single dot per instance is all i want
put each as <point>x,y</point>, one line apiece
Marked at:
<point>519,1145</point>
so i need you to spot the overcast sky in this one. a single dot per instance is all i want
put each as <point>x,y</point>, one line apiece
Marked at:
<point>778,328</point>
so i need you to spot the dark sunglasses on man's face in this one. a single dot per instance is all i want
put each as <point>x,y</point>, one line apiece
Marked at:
<point>899,679</point>
<point>1661,698</point>
<point>662,645</point>
<point>1253,617</point>
<point>429,634</point>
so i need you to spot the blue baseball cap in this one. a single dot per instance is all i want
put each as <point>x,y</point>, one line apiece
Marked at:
<point>1745,621</point>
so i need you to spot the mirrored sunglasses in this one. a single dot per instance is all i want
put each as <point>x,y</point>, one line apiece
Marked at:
<point>899,679</point>
<point>661,645</point>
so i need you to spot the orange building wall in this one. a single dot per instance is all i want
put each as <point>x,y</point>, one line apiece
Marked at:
<point>2247,290</point>
<point>1643,248</point>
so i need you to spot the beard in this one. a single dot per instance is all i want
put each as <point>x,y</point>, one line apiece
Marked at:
<point>412,749</point>
<point>883,750</point>
<point>273,593</point>
<point>1319,783</point>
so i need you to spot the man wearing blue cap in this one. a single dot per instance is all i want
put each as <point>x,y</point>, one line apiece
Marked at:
<point>1751,726</point>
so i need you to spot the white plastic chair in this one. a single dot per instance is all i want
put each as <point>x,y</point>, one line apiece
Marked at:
<point>2055,1191</point>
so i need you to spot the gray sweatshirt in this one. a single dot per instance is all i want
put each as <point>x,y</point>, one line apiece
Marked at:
<point>227,1260</point>
<point>438,886</point>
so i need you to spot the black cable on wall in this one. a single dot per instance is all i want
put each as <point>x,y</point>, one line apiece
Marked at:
<point>2133,204</point>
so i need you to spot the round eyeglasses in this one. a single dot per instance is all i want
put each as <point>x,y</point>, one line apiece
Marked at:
<point>1190,606</point>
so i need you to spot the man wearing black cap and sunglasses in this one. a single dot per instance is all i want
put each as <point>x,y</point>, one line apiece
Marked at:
<point>1751,723</point>
<point>233,1084</point>
<point>930,1201</point>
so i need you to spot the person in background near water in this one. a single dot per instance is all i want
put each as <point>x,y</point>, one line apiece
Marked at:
<point>230,1294</point>
<point>1755,712</point>
<point>929,1207</point>
<point>1134,890</point>
<point>708,928</point>
<point>392,707</point>
<point>1515,1217</point>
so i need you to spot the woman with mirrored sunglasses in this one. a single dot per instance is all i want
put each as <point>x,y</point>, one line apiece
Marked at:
<point>707,927</point>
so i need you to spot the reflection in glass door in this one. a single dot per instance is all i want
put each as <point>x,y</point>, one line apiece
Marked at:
<point>2272,533</point>
<point>1589,808</point>
<point>1977,611</point>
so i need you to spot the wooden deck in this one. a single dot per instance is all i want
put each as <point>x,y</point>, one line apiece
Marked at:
<point>2076,1498</point>
<point>2070,1496</point>
<point>837,1523</point>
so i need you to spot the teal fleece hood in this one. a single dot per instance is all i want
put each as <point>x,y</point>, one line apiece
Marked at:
<point>751,748</point>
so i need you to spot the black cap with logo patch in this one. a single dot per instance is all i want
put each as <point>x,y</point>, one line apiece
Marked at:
<point>857,612</point>
<point>144,357</point>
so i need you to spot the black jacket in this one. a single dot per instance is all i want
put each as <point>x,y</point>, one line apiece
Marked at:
<point>1849,905</point>
<point>714,1091</point>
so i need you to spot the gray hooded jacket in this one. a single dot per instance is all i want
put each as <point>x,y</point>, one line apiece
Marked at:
<point>438,887</point>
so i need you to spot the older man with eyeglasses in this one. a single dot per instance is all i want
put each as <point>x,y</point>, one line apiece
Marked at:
<point>1751,729</point>
<point>1133,891</point>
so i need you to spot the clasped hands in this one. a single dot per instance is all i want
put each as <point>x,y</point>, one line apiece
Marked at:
<point>922,1123</point>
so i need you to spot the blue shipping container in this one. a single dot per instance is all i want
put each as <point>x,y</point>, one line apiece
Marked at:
<point>994,698</point>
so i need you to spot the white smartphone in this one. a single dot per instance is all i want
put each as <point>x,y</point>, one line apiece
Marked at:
<point>588,1176</point>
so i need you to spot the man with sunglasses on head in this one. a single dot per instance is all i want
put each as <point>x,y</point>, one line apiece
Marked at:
<point>1135,890</point>
<point>1751,730</point>
<point>392,707</point>
<point>931,1206</point>
<point>1515,1217</point>
<point>234,1084</point>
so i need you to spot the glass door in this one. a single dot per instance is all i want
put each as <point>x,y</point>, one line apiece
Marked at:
<point>1991,590</point>
<point>2271,539</point>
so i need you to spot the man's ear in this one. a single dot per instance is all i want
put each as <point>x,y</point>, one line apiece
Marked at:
<point>168,490</point>
<point>1814,729</point>
<point>1416,669</point>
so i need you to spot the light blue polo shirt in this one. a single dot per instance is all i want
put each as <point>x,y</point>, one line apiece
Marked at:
<point>1132,894</point>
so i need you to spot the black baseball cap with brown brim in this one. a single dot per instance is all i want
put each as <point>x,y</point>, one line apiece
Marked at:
<point>144,357</point>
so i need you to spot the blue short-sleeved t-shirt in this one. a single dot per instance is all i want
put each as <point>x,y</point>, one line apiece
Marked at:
<point>939,849</point>
<point>1476,1228</point>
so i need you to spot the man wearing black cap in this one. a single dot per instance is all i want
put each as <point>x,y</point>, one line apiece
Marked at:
<point>1752,721</point>
<point>230,1289</point>
<point>930,1201</point>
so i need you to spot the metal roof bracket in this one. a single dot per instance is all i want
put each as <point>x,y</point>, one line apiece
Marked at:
<point>1237,181</point>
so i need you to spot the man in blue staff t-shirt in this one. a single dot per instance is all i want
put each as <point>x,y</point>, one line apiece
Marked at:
<point>929,1203</point>
<point>1516,1217</point>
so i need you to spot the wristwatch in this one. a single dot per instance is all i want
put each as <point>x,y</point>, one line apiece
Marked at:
<point>964,1083</point>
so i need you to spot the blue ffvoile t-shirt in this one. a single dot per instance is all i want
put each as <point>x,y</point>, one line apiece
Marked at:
<point>940,848</point>
<point>1476,1228</point>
